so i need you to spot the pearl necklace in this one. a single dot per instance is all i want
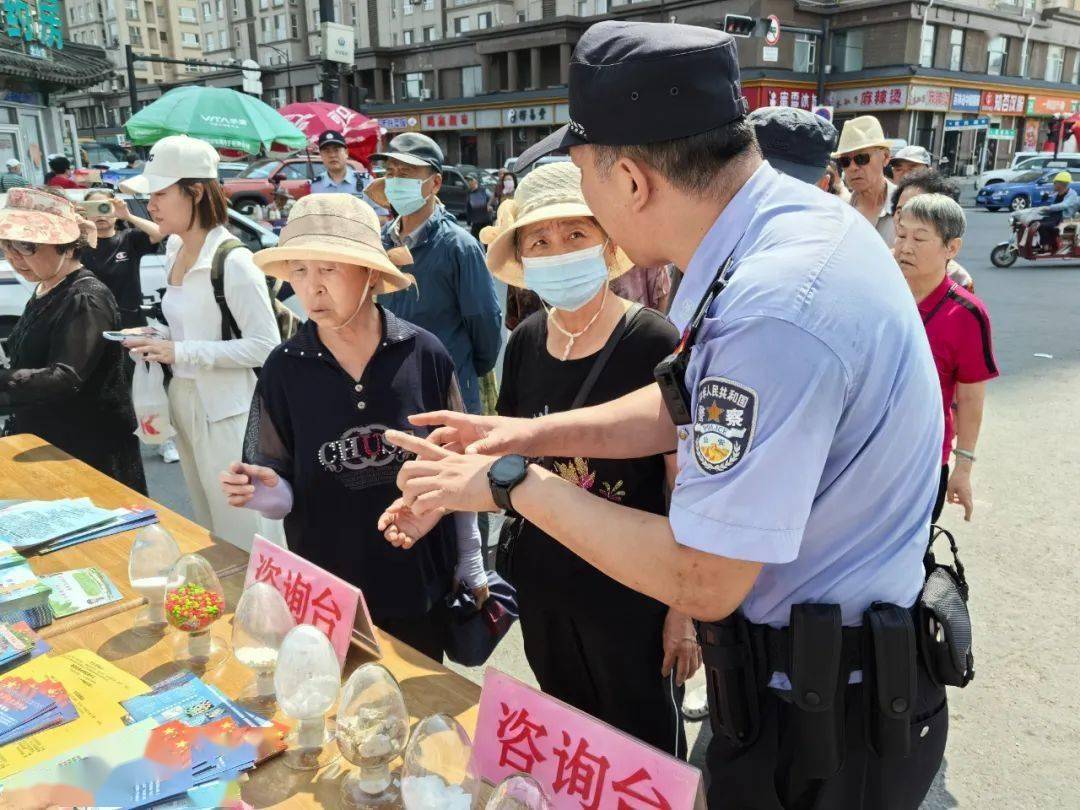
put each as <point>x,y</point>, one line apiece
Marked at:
<point>572,336</point>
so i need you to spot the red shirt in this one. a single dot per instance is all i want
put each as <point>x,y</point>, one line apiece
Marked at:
<point>62,181</point>
<point>958,327</point>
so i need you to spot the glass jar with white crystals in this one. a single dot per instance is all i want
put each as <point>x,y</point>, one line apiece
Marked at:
<point>260,624</point>
<point>438,772</point>
<point>519,791</point>
<point>372,728</point>
<point>307,682</point>
<point>153,554</point>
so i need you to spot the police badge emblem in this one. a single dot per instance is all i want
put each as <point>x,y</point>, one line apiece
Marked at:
<point>725,415</point>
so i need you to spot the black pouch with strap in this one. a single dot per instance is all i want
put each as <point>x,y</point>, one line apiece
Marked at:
<point>945,635</point>
<point>513,524</point>
<point>287,320</point>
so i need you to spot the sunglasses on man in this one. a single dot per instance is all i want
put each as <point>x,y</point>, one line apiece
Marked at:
<point>860,159</point>
<point>22,248</point>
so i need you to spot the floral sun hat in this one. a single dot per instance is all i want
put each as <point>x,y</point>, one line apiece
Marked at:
<point>44,218</point>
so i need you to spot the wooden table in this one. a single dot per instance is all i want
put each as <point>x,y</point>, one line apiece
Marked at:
<point>31,468</point>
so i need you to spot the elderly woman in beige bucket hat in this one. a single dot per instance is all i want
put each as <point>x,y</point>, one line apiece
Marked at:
<point>66,382</point>
<point>590,641</point>
<point>863,153</point>
<point>314,453</point>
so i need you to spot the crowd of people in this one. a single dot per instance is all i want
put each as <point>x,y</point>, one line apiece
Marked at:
<point>306,440</point>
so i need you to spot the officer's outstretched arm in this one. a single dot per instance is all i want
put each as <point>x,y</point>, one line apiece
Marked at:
<point>636,548</point>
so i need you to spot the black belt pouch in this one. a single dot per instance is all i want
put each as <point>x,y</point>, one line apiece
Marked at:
<point>732,680</point>
<point>817,687</point>
<point>889,678</point>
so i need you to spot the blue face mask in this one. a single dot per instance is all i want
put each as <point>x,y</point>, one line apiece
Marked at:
<point>567,282</point>
<point>405,194</point>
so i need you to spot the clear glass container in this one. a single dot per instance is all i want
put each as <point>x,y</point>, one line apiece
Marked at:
<point>194,601</point>
<point>260,624</point>
<point>307,682</point>
<point>372,729</point>
<point>438,773</point>
<point>519,791</point>
<point>153,554</point>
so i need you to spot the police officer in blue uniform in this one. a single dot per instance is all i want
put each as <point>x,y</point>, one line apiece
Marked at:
<point>804,408</point>
<point>340,177</point>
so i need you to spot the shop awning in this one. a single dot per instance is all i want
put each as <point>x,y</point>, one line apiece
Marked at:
<point>73,67</point>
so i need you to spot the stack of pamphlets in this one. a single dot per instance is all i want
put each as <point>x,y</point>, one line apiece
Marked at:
<point>28,706</point>
<point>79,590</point>
<point>51,525</point>
<point>18,643</point>
<point>187,742</point>
<point>24,597</point>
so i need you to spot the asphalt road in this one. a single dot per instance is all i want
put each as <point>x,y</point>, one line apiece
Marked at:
<point>1013,740</point>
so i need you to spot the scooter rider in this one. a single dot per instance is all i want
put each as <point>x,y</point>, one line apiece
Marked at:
<point>1066,204</point>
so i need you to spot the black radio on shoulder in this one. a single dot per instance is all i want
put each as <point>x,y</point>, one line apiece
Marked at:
<point>670,375</point>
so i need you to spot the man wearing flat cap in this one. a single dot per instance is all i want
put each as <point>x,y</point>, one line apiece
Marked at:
<point>801,403</point>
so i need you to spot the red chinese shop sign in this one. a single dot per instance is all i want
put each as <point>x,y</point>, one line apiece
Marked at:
<point>581,763</point>
<point>453,120</point>
<point>1002,102</point>
<point>780,97</point>
<point>315,596</point>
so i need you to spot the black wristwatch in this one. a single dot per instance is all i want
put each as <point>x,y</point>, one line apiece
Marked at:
<point>503,476</point>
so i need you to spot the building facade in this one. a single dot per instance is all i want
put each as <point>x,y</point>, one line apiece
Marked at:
<point>972,80</point>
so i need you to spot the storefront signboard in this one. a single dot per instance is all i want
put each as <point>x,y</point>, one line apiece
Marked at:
<point>1002,102</point>
<point>459,119</point>
<point>1001,134</point>
<point>890,97</point>
<point>966,100</point>
<point>41,21</point>
<point>579,761</point>
<point>399,123</point>
<point>924,97</point>
<point>534,116</point>
<point>1048,105</point>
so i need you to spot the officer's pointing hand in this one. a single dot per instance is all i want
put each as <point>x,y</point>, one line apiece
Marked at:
<point>441,480</point>
<point>485,435</point>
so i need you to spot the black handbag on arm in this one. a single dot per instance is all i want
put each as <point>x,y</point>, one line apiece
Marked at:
<point>513,524</point>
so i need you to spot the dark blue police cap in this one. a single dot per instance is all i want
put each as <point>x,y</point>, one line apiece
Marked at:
<point>637,83</point>
<point>331,137</point>
<point>795,142</point>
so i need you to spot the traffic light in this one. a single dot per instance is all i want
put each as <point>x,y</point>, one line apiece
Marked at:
<point>739,26</point>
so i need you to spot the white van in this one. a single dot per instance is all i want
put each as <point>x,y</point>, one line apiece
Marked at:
<point>1025,162</point>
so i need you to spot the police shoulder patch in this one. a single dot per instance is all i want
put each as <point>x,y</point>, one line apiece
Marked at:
<point>725,416</point>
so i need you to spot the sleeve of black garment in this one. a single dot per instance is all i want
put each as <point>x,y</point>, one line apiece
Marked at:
<point>139,245</point>
<point>75,349</point>
<point>268,441</point>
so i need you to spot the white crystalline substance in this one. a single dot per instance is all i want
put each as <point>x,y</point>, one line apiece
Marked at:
<point>315,697</point>
<point>432,793</point>
<point>257,657</point>
<point>367,734</point>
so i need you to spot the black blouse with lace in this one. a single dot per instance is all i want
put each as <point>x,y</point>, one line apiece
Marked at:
<point>66,382</point>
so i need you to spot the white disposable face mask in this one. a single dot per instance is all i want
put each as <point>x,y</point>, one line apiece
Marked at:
<point>570,280</point>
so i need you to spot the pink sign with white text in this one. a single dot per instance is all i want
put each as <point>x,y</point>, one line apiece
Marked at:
<point>315,596</point>
<point>580,761</point>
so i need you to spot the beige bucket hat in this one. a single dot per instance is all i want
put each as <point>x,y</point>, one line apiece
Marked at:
<point>548,192</point>
<point>861,133</point>
<point>336,228</point>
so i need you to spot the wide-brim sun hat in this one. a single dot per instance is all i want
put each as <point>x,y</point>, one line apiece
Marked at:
<point>336,228</point>
<point>859,134</point>
<point>175,158</point>
<point>548,192</point>
<point>33,215</point>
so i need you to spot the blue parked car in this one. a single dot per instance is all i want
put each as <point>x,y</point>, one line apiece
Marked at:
<point>1029,190</point>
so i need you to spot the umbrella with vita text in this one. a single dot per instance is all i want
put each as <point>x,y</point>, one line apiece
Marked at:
<point>313,118</point>
<point>231,121</point>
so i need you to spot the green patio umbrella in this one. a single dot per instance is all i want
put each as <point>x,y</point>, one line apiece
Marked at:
<point>224,118</point>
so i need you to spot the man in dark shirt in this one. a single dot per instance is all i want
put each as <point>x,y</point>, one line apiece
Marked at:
<point>118,254</point>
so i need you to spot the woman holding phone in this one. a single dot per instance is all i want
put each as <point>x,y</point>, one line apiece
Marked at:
<point>119,252</point>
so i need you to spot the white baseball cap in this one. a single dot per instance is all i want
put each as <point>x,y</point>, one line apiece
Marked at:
<point>177,157</point>
<point>12,163</point>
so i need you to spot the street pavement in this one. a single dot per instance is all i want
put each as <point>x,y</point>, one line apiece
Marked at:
<point>1014,729</point>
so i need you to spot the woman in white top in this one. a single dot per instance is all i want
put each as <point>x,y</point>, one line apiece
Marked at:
<point>213,379</point>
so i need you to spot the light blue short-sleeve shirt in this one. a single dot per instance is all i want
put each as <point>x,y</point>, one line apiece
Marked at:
<point>815,446</point>
<point>323,184</point>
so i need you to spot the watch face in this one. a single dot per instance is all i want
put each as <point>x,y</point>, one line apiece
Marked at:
<point>507,470</point>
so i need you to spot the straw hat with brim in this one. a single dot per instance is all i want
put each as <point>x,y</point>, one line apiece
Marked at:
<point>32,215</point>
<point>860,134</point>
<point>336,228</point>
<point>547,192</point>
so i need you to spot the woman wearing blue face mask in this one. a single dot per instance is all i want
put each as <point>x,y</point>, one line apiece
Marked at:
<point>611,652</point>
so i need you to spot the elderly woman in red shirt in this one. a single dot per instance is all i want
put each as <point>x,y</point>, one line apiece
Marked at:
<point>929,231</point>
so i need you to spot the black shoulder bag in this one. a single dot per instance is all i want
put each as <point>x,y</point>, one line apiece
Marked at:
<point>512,525</point>
<point>946,636</point>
